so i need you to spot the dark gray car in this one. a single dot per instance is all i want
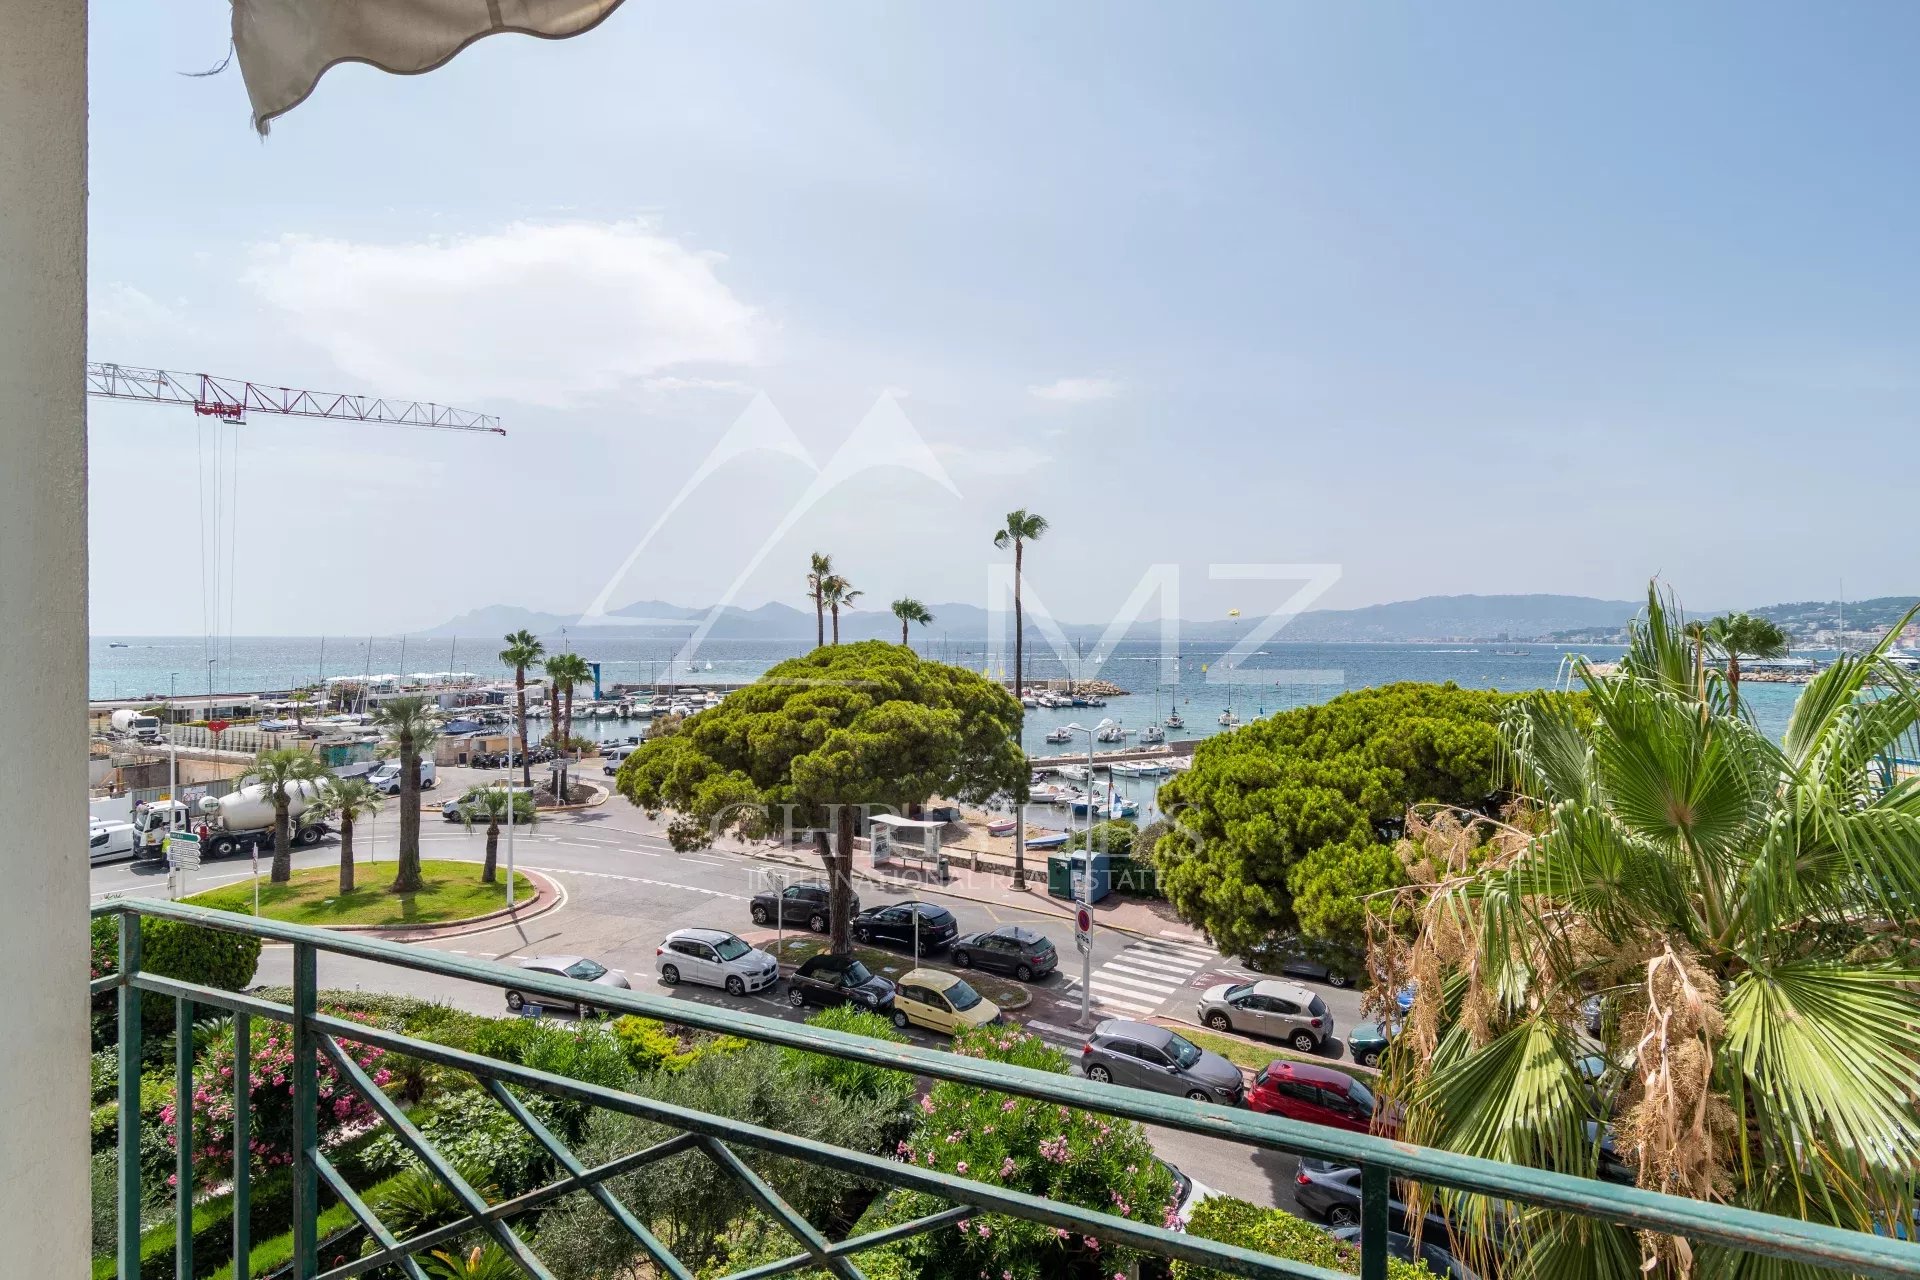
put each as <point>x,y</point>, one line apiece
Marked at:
<point>1143,1056</point>
<point>579,968</point>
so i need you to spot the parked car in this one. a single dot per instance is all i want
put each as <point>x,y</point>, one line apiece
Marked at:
<point>1187,1194</point>
<point>1269,1007</point>
<point>1011,949</point>
<point>803,903</point>
<point>940,1001</point>
<point>1368,1041</point>
<point>457,809</point>
<point>1330,1191</point>
<point>1318,1095</point>
<point>579,968</point>
<point>1400,1245</point>
<point>831,980</point>
<point>894,924</point>
<point>1141,1055</point>
<point>1288,955</point>
<point>386,778</point>
<point>714,958</point>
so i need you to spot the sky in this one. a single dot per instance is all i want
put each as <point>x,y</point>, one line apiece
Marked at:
<point>1472,298</point>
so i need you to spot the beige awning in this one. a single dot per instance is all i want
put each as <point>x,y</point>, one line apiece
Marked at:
<point>285,46</point>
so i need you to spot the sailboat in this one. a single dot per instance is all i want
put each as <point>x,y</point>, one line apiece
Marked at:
<point>1153,734</point>
<point>1227,718</point>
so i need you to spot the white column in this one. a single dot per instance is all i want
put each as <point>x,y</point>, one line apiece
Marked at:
<point>43,632</point>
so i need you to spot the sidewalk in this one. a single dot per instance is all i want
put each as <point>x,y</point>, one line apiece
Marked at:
<point>1143,917</point>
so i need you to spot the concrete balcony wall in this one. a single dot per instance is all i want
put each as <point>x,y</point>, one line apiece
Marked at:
<point>43,631</point>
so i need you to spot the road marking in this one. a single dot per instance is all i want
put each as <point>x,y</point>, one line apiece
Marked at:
<point>1172,979</point>
<point>658,884</point>
<point>1131,990</point>
<point>1166,951</point>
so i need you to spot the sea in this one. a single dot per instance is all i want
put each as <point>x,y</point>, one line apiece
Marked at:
<point>1199,684</point>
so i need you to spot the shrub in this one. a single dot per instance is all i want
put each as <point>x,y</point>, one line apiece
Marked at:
<point>651,1045</point>
<point>1114,836</point>
<point>1279,1233</point>
<point>271,1064</point>
<point>1043,1149</point>
<point>172,949</point>
<point>854,1079</point>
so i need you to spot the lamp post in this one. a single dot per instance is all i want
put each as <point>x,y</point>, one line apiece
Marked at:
<point>1085,894</point>
<point>173,759</point>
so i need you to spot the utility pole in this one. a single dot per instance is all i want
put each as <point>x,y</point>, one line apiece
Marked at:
<point>173,759</point>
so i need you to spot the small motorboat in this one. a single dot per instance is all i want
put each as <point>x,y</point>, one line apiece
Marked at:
<point>1059,735</point>
<point>1047,840</point>
<point>1112,733</point>
<point>1002,826</point>
<point>1075,772</point>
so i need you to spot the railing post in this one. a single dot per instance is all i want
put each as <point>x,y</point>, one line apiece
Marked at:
<point>129,1089</point>
<point>242,1144</point>
<point>1373,1222</point>
<point>182,1136</point>
<point>306,1099</point>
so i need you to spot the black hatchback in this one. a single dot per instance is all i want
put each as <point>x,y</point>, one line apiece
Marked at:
<point>894,925</point>
<point>830,980</point>
<point>1010,949</point>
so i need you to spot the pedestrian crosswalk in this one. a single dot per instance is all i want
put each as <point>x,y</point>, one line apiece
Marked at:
<point>1143,976</point>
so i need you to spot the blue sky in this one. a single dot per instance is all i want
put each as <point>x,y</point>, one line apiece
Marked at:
<point>1475,298</point>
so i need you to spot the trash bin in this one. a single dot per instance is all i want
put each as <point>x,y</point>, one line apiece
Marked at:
<point>1064,871</point>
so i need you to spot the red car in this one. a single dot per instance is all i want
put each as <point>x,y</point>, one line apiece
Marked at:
<point>1318,1095</point>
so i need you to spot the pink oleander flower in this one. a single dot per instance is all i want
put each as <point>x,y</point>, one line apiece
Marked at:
<point>1008,1105</point>
<point>1006,1167</point>
<point>1091,1243</point>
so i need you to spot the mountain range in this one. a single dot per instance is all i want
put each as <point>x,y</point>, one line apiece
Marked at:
<point>1515,618</point>
<point>1512,617</point>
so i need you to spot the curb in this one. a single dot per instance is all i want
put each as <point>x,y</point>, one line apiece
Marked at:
<point>1279,1052</point>
<point>548,896</point>
<point>1042,902</point>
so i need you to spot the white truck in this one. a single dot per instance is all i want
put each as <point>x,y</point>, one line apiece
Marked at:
<point>230,824</point>
<point>137,724</point>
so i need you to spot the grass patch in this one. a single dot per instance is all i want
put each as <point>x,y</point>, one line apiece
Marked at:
<point>1251,1054</point>
<point>452,892</point>
<point>893,965</point>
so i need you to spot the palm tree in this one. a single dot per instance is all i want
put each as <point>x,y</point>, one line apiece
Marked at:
<point>522,651</point>
<point>491,803</point>
<point>909,610</point>
<point>565,671</point>
<point>282,772</point>
<point>408,720</point>
<point>1742,635</point>
<point>820,569</point>
<point>837,591</point>
<point>300,698</point>
<point>1737,906</point>
<point>349,800</point>
<point>1021,528</point>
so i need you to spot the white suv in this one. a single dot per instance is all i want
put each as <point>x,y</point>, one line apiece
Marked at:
<point>716,958</point>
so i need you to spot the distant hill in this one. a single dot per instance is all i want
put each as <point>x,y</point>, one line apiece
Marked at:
<point>1515,617</point>
<point>1805,619</point>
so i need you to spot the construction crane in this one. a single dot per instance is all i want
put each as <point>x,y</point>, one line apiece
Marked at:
<point>231,399</point>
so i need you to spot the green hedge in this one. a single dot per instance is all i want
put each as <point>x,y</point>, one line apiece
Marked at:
<point>1279,1233</point>
<point>171,949</point>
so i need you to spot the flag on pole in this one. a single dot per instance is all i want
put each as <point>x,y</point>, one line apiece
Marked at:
<point>285,46</point>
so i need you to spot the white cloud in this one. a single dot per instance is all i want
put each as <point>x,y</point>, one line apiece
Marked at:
<point>1008,460</point>
<point>1076,390</point>
<point>120,309</point>
<point>671,382</point>
<point>547,314</point>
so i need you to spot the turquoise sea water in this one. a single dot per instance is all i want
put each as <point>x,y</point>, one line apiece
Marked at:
<point>1276,677</point>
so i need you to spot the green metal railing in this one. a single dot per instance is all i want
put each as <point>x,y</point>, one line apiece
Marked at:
<point>316,1034</point>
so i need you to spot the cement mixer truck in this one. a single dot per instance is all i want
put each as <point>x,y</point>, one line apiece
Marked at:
<point>234,823</point>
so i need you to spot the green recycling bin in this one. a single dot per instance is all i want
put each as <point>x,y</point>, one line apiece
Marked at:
<point>1063,869</point>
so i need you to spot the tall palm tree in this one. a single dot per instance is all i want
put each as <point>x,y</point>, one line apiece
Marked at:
<point>819,570</point>
<point>282,773</point>
<point>491,803</point>
<point>1742,635</point>
<point>300,698</point>
<point>1021,528</point>
<point>837,591</point>
<point>1738,907</point>
<point>909,610</point>
<point>565,672</point>
<point>522,651</point>
<point>408,720</point>
<point>349,800</point>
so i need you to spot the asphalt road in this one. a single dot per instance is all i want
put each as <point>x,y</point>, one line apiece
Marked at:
<point>626,888</point>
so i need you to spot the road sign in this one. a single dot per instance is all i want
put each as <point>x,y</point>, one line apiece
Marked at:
<point>217,727</point>
<point>531,1010</point>
<point>1083,920</point>
<point>1084,942</point>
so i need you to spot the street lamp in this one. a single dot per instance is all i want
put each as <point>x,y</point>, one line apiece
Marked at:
<point>173,758</point>
<point>1085,894</point>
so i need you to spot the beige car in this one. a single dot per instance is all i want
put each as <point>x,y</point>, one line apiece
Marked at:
<point>942,1002</point>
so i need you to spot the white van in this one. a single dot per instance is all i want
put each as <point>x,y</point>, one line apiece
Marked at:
<point>110,841</point>
<point>616,756</point>
<point>386,778</point>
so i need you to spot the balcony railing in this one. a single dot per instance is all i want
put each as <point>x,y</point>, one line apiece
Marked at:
<point>315,1034</point>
